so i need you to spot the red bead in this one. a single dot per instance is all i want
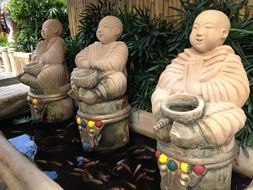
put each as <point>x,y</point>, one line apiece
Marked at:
<point>198,169</point>
<point>157,153</point>
<point>99,124</point>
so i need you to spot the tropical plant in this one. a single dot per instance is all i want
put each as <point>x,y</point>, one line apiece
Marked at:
<point>29,16</point>
<point>3,40</point>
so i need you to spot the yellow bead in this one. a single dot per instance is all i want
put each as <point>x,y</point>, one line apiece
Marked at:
<point>91,124</point>
<point>78,120</point>
<point>35,101</point>
<point>163,159</point>
<point>186,168</point>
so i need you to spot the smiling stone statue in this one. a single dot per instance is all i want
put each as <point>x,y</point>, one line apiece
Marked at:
<point>48,77</point>
<point>99,83</point>
<point>197,104</point>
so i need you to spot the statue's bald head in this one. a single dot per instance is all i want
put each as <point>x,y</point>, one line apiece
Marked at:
<point>55,24</point>
<point>210,30</point>
<point>216,17</point>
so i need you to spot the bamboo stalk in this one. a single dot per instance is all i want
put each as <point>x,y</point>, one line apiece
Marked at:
<point>166,8</point>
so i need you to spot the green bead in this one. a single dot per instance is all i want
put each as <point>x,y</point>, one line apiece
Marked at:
<point>172,165</point>
<point>83,123</point>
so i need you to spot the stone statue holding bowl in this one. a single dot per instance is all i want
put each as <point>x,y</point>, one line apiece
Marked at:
<point>99,83</point>
<point>48,77</point>
<point>197,104</point>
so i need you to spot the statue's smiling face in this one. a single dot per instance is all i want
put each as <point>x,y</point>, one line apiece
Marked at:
<point>208,32</point>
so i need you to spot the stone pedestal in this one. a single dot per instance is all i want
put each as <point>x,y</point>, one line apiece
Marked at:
<point>196,169</point>
<point>50,105</point>
<point>103,126</point>
<point>13,100</point>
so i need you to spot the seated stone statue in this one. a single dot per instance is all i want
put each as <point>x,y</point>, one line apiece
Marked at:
<point>197,104</point>
<point>212,71</point>
<point>99,83</point>
<point>48,57</point>
<point>103,63</point>
<point>47,73</point>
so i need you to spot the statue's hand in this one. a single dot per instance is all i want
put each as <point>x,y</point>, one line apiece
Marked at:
<point>33,56</point>
<point>162,129</point>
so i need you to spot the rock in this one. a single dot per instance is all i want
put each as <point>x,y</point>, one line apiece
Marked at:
<point>13,100</point>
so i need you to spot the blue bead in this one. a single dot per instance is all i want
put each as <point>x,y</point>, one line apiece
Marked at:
<point>85,146</point>
<point>33,119</point>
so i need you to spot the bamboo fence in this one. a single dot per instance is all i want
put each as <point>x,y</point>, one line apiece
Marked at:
<point>157,8</point>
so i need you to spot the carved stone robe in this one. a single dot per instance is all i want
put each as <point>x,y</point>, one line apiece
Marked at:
<point>219,78</point>
<point>52,54</point>
<point>110,60</point>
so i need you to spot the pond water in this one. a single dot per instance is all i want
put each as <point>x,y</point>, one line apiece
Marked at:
<point>59,153</point>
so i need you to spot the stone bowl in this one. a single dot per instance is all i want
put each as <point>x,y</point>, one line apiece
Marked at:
<point>184,108</point>
<point>33,68</point>
<point>85,78</point>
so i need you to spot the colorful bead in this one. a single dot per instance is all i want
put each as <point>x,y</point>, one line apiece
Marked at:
<point>163,159</point>
<point>35,101</point>
<point>29,99</point>
<point>99,124</point>
<point>33,119</point>
<point>157,153</point>
<point>78,120</point>
<point>83,123</point>
<point>85,146</point>
<point>163,167</point>
<point>186,168</point>
<point>91,124</point>
<point>199,169</point>
<point>172,165</point>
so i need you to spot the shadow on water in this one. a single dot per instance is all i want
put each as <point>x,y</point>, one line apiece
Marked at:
<point>131,167</point>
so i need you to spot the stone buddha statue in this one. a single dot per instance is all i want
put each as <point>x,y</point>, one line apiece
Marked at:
<point>99,83</point>
<point>197,104</point>
<point>48,77</point>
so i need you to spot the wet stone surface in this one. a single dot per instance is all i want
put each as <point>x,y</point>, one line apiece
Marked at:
<point>131,167</point>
